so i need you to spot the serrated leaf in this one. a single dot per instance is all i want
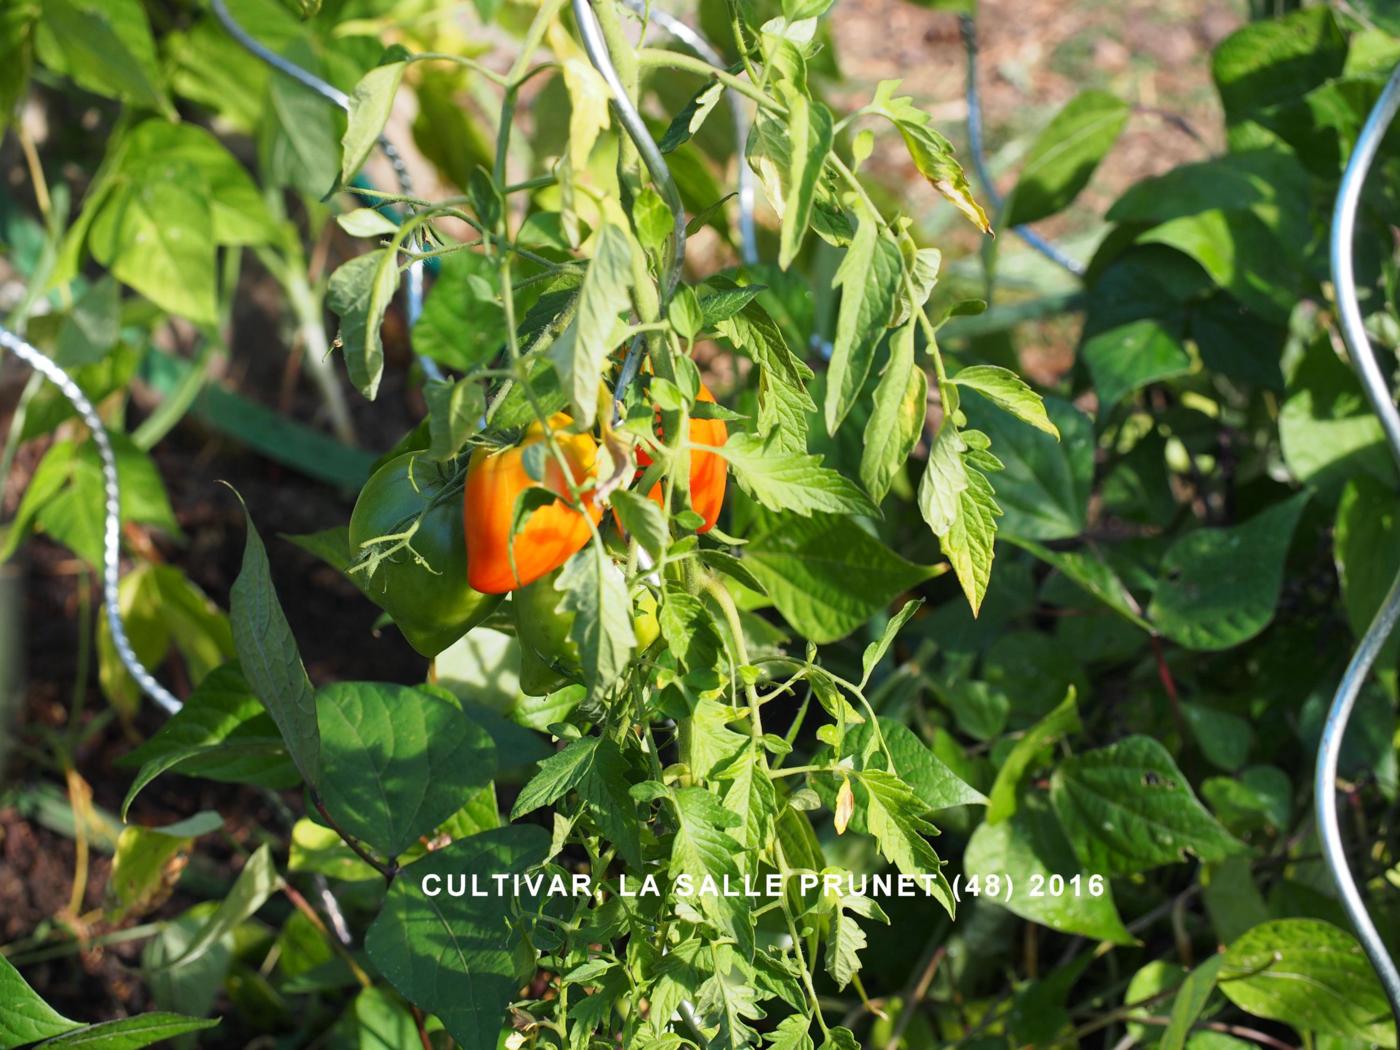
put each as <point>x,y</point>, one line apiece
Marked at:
<point>1008,391</point>
<point>595,768</point>
<point>455,412</point>
<point>783,400</point>
<point>691,117</point>
<point>1128,808</point>
<point>869,278</point>
<point>876,650</point>
<point>370,105</point>
<point>896,417</point>
<point>643,520</point>
<point>847,939</point>
<point>595,590</point>
<point>1218,586</point>
<point>267,652</point>
<point>810,138</point>
<point>454,956</point>
<point>580,360</point>
<point>359,294</point>
<point>462,324</point>
<point>958,502</point>
<point>894,816</point>
<point>784,480</point>
<point>792,1034</point>
<point>704,848</point>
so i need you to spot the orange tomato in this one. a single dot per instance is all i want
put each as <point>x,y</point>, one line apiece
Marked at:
<point>708,470</point>
<point>551,534</point>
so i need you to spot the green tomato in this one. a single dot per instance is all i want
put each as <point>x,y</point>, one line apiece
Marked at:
<point>543,627</point>
<point>432,607</point>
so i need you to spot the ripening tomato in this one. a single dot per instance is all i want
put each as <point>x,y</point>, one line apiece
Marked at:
<point>708,470</point>
<point>432,607</point>
<point>551,534</point>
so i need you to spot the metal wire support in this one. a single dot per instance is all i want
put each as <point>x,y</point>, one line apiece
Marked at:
<point>111,532</point>
<point>979,161</point>
<point>1378,393</point>
<point>413,292</point>
<point>696,41</point>
<point>632,123</point>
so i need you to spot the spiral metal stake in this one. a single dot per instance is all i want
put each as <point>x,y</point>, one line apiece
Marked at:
<point>413,293</point>
<point>1378,393</point>
<point>696,41</point>
<point>979,161</point>
<point>111,532</point>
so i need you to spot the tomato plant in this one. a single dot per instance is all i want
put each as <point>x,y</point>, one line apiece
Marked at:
<point>757,656</point>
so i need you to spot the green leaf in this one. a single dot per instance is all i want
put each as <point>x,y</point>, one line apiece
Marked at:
<point>847,939</point>
<point>643,520</point>
<point>370,105</point>
<point>269,658</point>
<point>251,750</point>
<point>92,328</point>
<point>809,142</point>
<point>1056,725</point>
<point>827,575</point>
<point>1094,576</point>
<point>16,56</point>
<point>783,400</point>
<point>704,848</point>
<point>221,710</point>
<point>595,768</point>
<point>595,591</point>
<point>455,414</point>
<point>105,46</point>
<point>728,1000</point>
<point>140,878</point>
<point>154,236</point>
<point>692,117</point>
<point>1065,155</point>
<point>1127,808</point>
<point>794,1031</point>
<point>1276,60</point>
<point>1218,587</point>
<point>894,816</point>
<point>1308,974</point>
<point>396,762</point>
<point>580,360</point>
<point>869,279</point>
<point>840,1039</point>
<point>1367,553</point>
<point>27,1018</point>
<point>1190,1000</point>
<point>784,480</point>
<point>255,883</point>
<point>957,501</point>
<point>462,324</point>
<point>876,650</point>
<point>1043,488</point>
<point>454,956</point>
<point>128,1033</point>
<point>1032,846</point>
<point>931,152</point>
<point>896,417</point>
<point>359,294</point>
<point>934,784</point>
<point>1009,392</point>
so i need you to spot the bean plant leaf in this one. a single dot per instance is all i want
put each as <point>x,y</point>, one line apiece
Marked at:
<point>1056,725</point>
<point>129,1033</point>
<point>1032,846</point>
<point>827,575</point>
<point>1218,587</point>
<point>1128,808</point>
<point>1065,155</point>
<point>453,956</point>
<point>1190,1000</point>
<point>106,47</point>
<point>396,761</point>
<point>267,652</point>
<point>27,1018</point>
<point>255,884</point>
<point>1311,975</point>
